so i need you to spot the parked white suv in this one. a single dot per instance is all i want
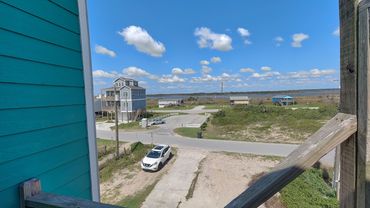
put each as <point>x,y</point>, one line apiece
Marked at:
<point>156,158</point>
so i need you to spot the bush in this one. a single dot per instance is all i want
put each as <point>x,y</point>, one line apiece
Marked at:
<point>203,126</point>
<point>220,114</point>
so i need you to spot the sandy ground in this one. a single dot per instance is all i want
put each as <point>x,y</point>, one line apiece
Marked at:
<point>223,177</point>
<point>129,181</point>
<point>174,185</point>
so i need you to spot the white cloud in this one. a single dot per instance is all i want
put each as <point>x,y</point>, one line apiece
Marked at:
<point>209,39</point>
<point>177,71</point>
<point>222,77</point>
<point>142,41</point>
<point>170,79</point>
<point>216,59</point>
<point>103,74</point>
<point>99,82</point>
<point>313,73</point>
<point>245,35</point>
<point>266,68</point>
<point>265,75</point>
<point>104,51</point>
<point>278,41</point>
<point>336,32</point>
<point>204,62</point>
<point>134,71</point>
<point>298,38</point>
<point>206,69</point>
<point>245,70</point>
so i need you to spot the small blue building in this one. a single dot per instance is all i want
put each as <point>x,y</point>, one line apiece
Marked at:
<point>283,100</point>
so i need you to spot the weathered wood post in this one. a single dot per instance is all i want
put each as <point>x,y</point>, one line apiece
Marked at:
<point>348,98</point>
<point>363,176</point>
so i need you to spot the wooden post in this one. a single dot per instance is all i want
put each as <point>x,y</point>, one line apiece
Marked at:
<point>363,134</point>
<point>348,95</point>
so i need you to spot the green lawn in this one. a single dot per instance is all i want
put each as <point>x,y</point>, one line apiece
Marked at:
<point>187,132</point>
<point>138,151</point>
<point>309,191</point>
<point>268,123</point>
<point>138,199</point>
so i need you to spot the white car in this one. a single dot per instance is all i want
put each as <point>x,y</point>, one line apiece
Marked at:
<point>156,158</point>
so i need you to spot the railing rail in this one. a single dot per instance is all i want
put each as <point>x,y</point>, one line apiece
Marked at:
<point>31,196</point>
<point>333,133</point>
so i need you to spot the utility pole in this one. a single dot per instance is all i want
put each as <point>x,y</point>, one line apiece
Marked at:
<point>116,99</point>
<point>222,86</point>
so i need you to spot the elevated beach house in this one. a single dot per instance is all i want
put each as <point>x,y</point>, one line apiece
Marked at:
<point>283,100</point>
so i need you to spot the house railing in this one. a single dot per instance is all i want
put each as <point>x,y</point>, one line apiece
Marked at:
<point>333,133</point>
<point>31,196</point>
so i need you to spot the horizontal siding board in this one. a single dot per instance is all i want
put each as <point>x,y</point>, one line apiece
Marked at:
<point>21,145</point>
<point>27,96</point>
<point>36,164</point>
<point>66,173</point>
<point>70,5</point>
<point>23,71</point>
<point>20,46</point>
<point>32,26</point>
<point>49,12</point>
<point>13,121</point>
<point>9,198</point>
<point>69,189</point>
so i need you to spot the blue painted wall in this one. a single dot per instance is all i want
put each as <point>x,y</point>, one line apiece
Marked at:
<point>43,130</point>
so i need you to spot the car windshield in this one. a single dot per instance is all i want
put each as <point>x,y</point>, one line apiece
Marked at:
<point>154,154</point>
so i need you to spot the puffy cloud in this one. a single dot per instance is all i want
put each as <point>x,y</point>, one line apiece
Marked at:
<point>266,68</point>
<point>134,71</point>
<point>244,33</point>
<point>206,69</point>
<point>209,39</point>
<point>178,71</point>
<point>245,70</point>
<point>336,32</point>
<point>142,40</point>
<point>298,38</point>
<point>103,74</point>
<point>204,62</point>
<point>222,77</point>
<point>278,41</point>
<point>99,82</point>
<point>104,51</point>
<point>215,59</point>
<point>265,75</point>
<point>313,73</point>
<point>170,79</point>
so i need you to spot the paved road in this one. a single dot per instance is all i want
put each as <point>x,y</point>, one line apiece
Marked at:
<point>165,135</point>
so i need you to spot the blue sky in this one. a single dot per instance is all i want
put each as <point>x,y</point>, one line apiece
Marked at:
<point>174,46</point>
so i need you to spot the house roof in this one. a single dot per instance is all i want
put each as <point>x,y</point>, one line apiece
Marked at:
<point>133,87</point>
<point>124,79</point>
<point>283,96</point>
<point>239,98</point>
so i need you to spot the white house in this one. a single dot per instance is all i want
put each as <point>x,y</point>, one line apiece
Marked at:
<point>169,102</point>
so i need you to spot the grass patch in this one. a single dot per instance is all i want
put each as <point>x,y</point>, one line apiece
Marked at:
<point>249,123</point>
<point>138,199</point>
<point>138,151</point>
<point>190,193</point>
<point>187,132</point>
<point>309,191</point>
<point>106,147</point>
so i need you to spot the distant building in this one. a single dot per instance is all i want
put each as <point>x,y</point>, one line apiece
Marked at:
<point>131,99</point>
<point>170,102</point>
<point>239,100</point>
<point>283,100</point>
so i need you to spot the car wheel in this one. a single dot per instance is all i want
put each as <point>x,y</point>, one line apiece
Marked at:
<point>160,166</point>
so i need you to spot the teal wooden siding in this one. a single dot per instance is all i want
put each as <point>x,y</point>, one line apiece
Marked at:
<point>43,131</point>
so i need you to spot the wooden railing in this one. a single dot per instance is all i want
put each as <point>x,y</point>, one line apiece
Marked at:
<point>31,196</point>
<point>333,133</point>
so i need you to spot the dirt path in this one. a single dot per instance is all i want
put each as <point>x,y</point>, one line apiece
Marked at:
<point>173,187</point>
<point>130,180</point>
<point>223,177</point>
